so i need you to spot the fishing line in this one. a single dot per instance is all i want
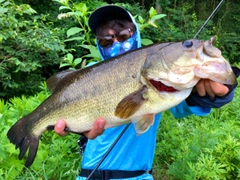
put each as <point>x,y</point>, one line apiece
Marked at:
<point>126,127</point>
<point>214,11</point>
<point>109,150</point>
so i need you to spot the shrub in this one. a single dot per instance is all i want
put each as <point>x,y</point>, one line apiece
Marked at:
<point>28,49</point>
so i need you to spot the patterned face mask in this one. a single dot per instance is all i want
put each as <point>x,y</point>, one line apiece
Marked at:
<point>118,48</point>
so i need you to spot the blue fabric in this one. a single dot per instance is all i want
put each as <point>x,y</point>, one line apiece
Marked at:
<point>118,48</point>
<point>207,101</point>
<point>183,110</point>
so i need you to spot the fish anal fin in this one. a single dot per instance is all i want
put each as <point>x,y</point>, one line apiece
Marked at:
<point>131,103</point>
<point>142,124</point>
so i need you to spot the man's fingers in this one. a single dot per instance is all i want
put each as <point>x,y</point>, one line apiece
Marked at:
<point>97,129</point>
<point>59,128</point>
<point>206,86</point>
<point>219,89</point>
<point>200,88</point>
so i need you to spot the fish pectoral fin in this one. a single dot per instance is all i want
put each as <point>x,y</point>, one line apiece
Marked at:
<point>143,123</point>
<point>131,103</point>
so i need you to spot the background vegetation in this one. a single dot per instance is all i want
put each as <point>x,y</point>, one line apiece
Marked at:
<point>41,37</point>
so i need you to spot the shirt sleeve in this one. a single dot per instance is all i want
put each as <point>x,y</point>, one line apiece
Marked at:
<point>183,109</point>
<point>209,102</point>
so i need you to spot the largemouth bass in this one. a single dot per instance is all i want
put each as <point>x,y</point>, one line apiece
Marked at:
<point>131,87</point>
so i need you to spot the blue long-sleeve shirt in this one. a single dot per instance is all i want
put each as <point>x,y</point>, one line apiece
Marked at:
<point>132,152</point>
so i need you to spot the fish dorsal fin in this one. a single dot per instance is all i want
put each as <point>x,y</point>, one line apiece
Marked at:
<point>131,103</point>
<point>142,124</point>
<point>53,80</point>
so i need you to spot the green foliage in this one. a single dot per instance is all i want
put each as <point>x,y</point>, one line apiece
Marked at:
<point>229,43</point>
<point>69,61</point>
<point>181,23</point>
<point>28,46</point>
<point>62,152</point>
<point>80,13</point>
<point>80,35</point>
<point>151,22</point>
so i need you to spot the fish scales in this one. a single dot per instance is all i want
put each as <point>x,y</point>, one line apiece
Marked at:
<point>85,100</point>
<point>131,87</point>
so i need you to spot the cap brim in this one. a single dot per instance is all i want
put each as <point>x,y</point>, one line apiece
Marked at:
<point>106,12</point>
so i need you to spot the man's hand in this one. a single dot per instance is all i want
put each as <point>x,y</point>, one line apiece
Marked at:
<point>59,128</point>
<point>206,86</point>
<point>98,128</point>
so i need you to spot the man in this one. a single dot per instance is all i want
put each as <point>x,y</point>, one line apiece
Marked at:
<point>132,157</point>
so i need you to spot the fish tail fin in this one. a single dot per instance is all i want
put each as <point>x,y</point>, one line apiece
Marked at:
<point>22,138</point>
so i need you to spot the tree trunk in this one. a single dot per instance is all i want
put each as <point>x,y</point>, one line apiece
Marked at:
<point>158,7</point>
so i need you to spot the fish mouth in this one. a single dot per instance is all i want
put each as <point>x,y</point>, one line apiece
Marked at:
<point>162,87</point>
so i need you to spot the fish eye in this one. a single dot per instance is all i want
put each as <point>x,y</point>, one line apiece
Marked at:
<point>187,43</point>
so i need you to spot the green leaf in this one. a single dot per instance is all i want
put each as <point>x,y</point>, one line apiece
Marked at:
<point>70,57</point>
<point>141,20</point>
<point>77,13</point>
<point>81,7</point>
<point>3,10</point>
<point>74,39</point>
<point>64,7</point>
<point>152,23</point>
<point>64,65</point>
<point>146,41</point>
<point>73,31</point>
<point>93,51</point>
<point>152,12</point>
<point>77,61</point>
<point>159,16</point>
